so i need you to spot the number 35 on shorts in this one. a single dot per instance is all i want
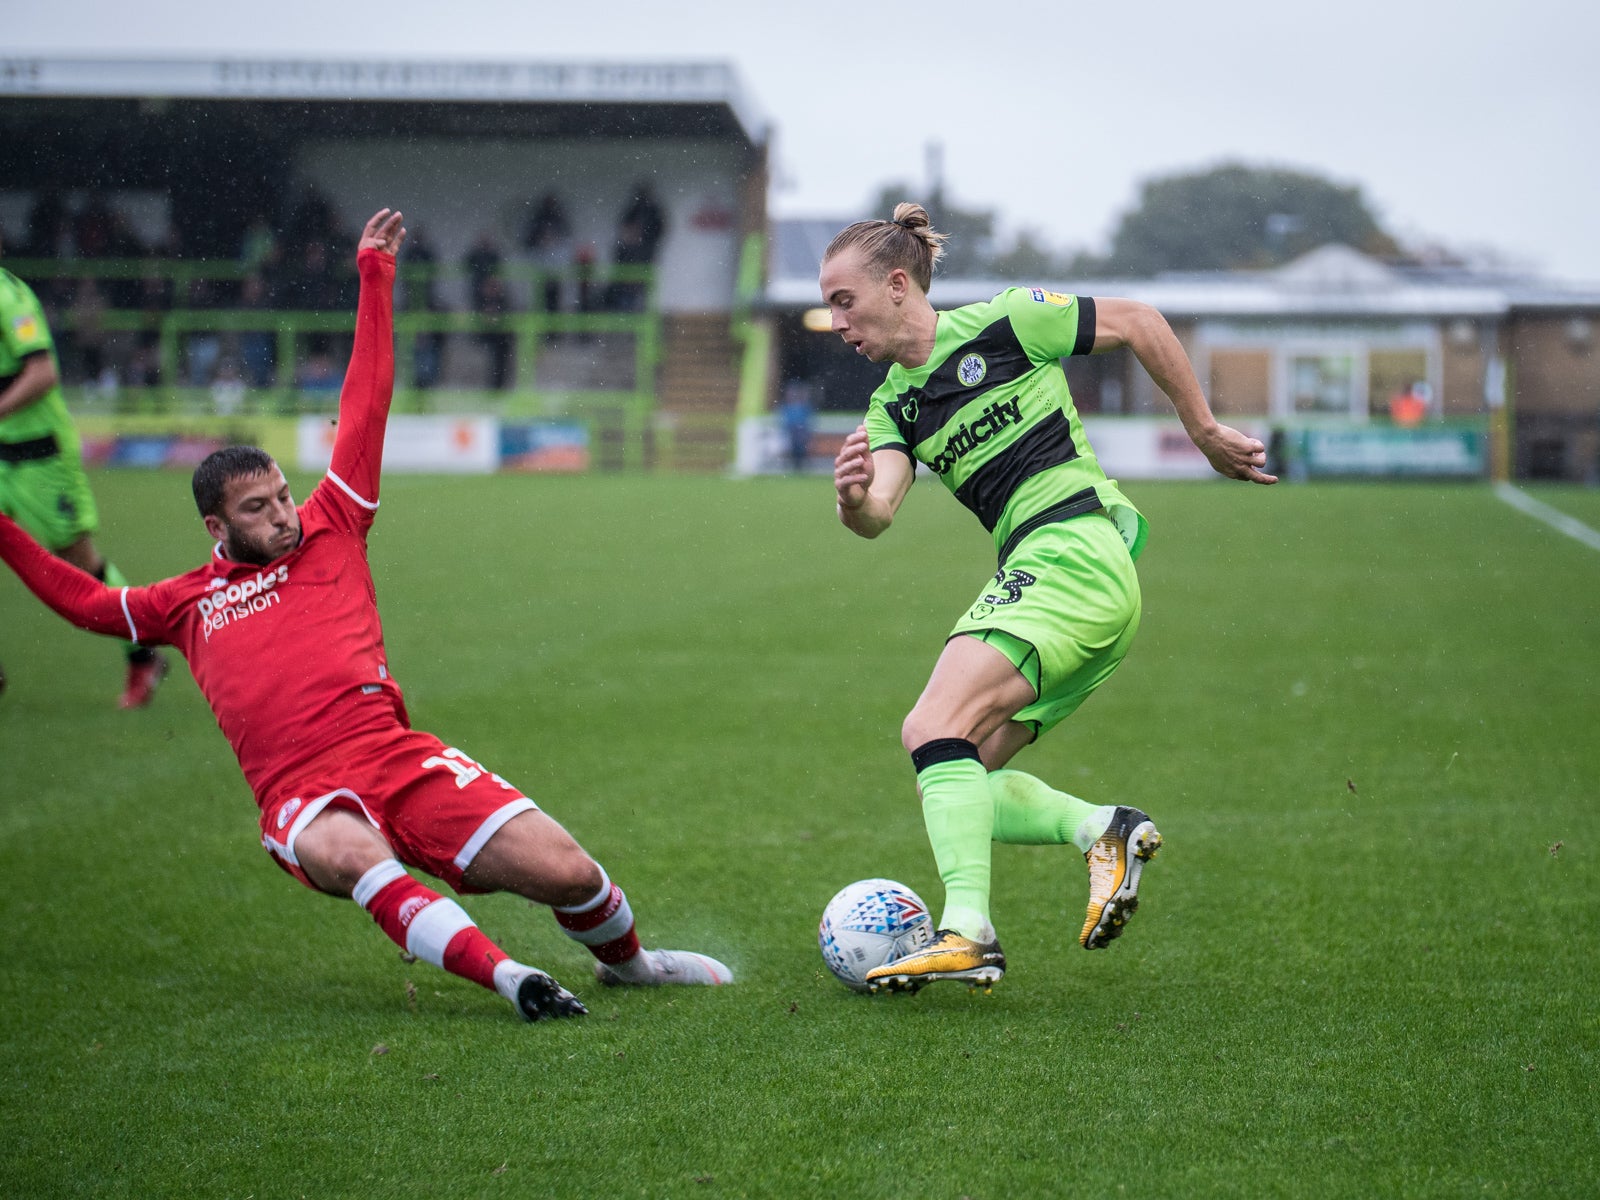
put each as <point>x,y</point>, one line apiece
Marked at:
<point>462,767</point>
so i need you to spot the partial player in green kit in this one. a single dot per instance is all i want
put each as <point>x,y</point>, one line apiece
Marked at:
<point>978,395</point>
<point>42,484</point>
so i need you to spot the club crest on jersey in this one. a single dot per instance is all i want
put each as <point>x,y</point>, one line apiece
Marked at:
<point>25,327</point>
<point>287,812</point>
<point>1059,299</point>
<point>972,369</point>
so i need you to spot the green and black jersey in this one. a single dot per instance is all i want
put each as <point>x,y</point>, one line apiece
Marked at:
<point>23,331</point>
<point>991,414</point>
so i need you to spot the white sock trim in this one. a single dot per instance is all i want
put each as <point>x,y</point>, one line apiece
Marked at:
<point>375,880</point>
<point>431,929</point>
<point>609,930</point>
<point>594,902</point>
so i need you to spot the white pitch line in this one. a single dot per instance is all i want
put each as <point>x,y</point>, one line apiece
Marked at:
<point>1552,517</point>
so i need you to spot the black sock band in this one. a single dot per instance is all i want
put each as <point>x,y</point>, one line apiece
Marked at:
<point>943,750</point>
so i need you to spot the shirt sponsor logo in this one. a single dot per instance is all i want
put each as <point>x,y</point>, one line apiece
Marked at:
<point>1059,299</point>
<point>236,601</point>
<point>968,437</point>
<point>972,369</point>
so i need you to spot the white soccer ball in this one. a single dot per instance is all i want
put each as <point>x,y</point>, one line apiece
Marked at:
<point>870,922</point>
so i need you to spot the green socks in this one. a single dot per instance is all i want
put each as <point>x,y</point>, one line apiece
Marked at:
<point>959,816</point>
<point>965,807</point>
<point>1029,812</point>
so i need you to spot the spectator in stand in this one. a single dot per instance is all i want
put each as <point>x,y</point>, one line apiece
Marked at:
<point>311,219</point>
<point>93,227</point>
<point>311,283</point>
<point>48,224</point>
<point>795,416</point>
<point>644,212</point>
<point>548,241</point>
<point>583,270</point>
<point>257,347</point>
<point>319,375</point>
<point>422,294</point>
<point>639,233</point>
<point>202,348</point>
<point>482,262</point>
<point>125,240</point>
<point>88,330</point>
<point>486,288</point>
<point>259,245</point>
<point>494,302</point>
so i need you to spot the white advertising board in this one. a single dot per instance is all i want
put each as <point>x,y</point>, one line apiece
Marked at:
<point>466,444</point>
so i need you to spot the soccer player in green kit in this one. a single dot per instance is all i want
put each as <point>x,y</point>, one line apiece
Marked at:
<point>978,395</point>
<point>42,484</point>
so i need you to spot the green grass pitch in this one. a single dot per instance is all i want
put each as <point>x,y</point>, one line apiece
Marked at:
<point>1366,718</point>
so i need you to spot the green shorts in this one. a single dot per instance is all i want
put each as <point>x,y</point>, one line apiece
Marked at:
<point>50,498</point>
<point>1063,608</point>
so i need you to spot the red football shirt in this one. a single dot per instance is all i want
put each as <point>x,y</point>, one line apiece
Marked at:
<point>289,656</point>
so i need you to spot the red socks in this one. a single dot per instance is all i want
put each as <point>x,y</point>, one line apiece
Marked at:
<point>427,925</point>
<point>603,923</point>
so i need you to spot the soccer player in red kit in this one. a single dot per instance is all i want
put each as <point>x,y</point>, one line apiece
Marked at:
<point>282,634</point>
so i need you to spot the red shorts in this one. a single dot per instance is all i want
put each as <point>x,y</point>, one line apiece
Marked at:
<point>432,803</point>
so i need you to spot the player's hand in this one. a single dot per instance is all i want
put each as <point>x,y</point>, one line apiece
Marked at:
<point>853,469</point>
<point>384,232</point>
<point>1234,454</point>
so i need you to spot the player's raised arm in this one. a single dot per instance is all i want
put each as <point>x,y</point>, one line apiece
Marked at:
<point>73,594</point>
<point>1145,331</point>
<point>369,382</point>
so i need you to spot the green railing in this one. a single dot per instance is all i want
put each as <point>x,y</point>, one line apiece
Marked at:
<point>626,406</point>
<point>189,270</point>
<point>755,335</point>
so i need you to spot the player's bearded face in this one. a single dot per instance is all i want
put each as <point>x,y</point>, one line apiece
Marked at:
<point>258,523</point>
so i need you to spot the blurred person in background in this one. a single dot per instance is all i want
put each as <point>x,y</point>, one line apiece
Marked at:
<point>422,295</point>
<point>978,395</point>
<point>42,483</point>
<point>491,299</point>
<point>547,238</point>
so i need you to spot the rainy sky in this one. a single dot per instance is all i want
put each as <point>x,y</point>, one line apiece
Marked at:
<point>1470,125</point>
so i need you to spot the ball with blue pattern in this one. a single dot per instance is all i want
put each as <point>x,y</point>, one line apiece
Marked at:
<point>868,923</point>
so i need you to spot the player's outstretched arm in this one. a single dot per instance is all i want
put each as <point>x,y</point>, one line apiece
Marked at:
<point>1146,332</point>
<point>71,593</point>
<point>369,382</point>
<point>869,487</point>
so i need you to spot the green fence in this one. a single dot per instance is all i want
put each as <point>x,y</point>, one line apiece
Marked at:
<point>530,331</point>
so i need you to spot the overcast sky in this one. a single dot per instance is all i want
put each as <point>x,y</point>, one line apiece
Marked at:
<point>1473,125</point>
